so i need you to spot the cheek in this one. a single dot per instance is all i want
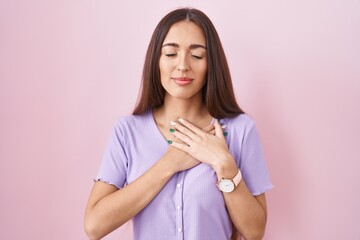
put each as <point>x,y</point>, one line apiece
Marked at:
<point>164,67</point>
<point>161,65</point>
<point>202,70</point>
<point>165,72</point>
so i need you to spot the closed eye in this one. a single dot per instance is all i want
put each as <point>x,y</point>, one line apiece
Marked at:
<point>170,54</point>
<point>197,57</point>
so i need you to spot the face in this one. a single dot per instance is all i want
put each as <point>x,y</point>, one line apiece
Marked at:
<point>183,63</point>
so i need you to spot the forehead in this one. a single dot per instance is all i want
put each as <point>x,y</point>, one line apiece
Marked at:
<point>185,33</point>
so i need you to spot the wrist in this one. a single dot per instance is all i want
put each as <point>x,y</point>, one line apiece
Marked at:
<point>228,185</point>
<point>226,169</point>
<point>168,168</point>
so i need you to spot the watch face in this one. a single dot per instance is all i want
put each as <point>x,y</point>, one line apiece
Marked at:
<point>226,185</point>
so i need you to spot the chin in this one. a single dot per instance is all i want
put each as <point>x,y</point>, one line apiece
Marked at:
<point>184,96</point>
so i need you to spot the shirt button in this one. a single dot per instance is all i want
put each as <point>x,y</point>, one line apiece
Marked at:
<point>178,207</point>
<point>178,185</point>
<point>179,229</point>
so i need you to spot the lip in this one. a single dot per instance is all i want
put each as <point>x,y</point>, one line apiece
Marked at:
<point>182,80</point>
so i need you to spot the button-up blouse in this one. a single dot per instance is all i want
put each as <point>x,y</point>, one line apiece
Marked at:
<point>190,206</point>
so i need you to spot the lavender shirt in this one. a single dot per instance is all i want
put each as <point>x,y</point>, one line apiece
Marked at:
<point>190,206</point>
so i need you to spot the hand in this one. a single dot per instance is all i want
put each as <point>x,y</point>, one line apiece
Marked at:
<point>180,160</point>
<point>203,146</point>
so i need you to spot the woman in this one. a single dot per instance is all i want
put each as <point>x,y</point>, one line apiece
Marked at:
<point>188,163</point>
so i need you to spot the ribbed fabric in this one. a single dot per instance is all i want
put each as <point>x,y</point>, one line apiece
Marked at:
<point>190,206</point>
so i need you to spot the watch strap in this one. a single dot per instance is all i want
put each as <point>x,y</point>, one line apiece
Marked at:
<point>237,178</point>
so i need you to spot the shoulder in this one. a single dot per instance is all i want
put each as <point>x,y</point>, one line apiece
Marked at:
<point>134,119</point>
<point>242,121</point>
<point>128,122</point>
<point>238,128</point>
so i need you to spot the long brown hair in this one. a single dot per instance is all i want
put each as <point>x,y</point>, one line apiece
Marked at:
<point>218,94</point>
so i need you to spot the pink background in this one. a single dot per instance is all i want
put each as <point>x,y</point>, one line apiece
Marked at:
<point>69,69</point>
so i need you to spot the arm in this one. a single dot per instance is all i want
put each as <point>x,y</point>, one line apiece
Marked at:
<point>247,212</point>
<point>109,207</point>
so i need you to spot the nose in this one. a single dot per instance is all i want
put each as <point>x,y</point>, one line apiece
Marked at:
<point>183,64</point>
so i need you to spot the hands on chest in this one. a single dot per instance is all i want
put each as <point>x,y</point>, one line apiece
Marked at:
<point>206,145</point>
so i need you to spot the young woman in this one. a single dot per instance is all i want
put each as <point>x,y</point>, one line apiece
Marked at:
<point>187,164</point>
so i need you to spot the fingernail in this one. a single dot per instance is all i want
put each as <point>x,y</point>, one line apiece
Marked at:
<point>181,120</point>
<point>225,134</point>
<point>169,141</point>
<point>172,123</point>
<point>223,126</point>
<point>172,130</point>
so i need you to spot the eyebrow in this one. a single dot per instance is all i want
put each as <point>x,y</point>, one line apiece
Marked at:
<point>192,46</point>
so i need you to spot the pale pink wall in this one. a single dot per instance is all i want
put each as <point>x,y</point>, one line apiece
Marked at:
<point>69,69</point>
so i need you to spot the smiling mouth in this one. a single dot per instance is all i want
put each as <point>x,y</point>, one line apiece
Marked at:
<point>182,80</point>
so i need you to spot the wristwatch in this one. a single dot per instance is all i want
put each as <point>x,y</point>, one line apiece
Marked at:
<point>228,185</point>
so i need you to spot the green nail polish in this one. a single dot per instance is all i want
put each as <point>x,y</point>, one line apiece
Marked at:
<point>225,134</point>
<point>169,141</point>
<point>172,130</point>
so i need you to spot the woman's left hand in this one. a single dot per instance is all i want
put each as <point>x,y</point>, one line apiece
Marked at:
<point>205,147</point>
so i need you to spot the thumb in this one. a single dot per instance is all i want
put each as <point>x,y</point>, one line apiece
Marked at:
<point>209,128</point>
<point>218,129</point>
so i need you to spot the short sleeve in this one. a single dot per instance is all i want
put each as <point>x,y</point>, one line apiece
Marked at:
<point>113,166</point>
<point>252,165</point>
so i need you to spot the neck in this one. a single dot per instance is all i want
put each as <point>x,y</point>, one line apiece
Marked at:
<point>172,109</point>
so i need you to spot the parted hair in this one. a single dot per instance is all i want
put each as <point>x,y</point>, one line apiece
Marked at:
<point>217,93</point>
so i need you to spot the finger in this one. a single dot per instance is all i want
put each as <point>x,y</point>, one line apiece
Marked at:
<point>191,126</point>
<point>209,128</point>
<point>183,137</point>
<point>218,129</point>
<point>180,146</point>
<point>185,131</point>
